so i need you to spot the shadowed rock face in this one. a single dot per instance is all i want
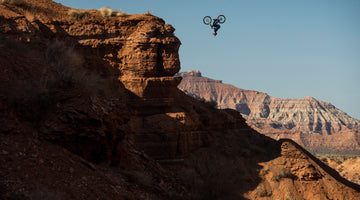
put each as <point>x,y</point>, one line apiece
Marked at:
<point>90,110</point>
<point>317,125</point>
<point>137,54</point>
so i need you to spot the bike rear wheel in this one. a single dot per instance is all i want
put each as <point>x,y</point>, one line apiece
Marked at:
<point>207,20</point>
<point>221,19</point>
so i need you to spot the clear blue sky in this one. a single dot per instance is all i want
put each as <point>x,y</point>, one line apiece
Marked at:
<point>286,48</point>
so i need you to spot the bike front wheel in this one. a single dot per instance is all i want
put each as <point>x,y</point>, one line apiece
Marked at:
<point>221,19</point>
<point>207,20</point>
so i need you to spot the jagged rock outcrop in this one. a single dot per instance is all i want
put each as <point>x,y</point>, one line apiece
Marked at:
<point>319,126</point>
<point>91,111</point>
<point>147,61</point>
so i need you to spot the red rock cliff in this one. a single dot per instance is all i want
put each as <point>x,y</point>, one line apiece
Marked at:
<point>90,110</point>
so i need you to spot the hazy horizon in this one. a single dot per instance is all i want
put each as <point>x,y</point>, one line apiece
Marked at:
<point>287,49</point>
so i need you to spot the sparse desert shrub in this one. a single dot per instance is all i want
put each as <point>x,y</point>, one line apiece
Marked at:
<point>63,61</point>
<point>60,56</point>
<point>280,172</point>
<point>13,2</point>
<point>122,14</point>
<point>31,97</point>
<point>260,192</point>
<point>17,2</point>
<point>149,13</point>
<point>263,172</point>
<point>66,66</point>
<point>336,158</point>
<point>29,16</point>
<point>106,12</point>
<point>340,169</point>
<point>62,73</point>
<point>77,15</point>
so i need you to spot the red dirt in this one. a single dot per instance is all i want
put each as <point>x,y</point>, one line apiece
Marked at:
<point>81,120</point>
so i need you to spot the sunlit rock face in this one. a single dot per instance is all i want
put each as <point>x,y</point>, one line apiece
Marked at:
<point>319,126</point>
<point>147,62</point>
<point>114,126</point>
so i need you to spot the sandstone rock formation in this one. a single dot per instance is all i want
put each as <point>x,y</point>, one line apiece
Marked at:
<point>319,126</point>
<point>90,110</point>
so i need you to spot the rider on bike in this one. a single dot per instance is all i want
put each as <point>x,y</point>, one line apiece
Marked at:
<point>215,26</point>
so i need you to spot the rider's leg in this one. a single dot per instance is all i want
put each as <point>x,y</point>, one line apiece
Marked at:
<point>216,28</point>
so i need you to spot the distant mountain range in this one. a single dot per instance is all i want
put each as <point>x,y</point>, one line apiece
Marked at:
<point>318,126</point>
<point>90,109</point>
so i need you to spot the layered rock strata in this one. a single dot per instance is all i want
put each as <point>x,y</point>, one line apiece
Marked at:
<point>140,51</point>
<point>317,125</point>
<point>90,110</point>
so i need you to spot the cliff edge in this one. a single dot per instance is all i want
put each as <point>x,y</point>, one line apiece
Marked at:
<point>90,110</point>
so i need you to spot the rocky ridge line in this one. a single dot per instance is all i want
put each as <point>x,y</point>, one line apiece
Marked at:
<point>90,110</point>
<point>317,125</point>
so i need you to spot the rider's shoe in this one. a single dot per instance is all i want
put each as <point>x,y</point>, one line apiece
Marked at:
<point>215,33</point>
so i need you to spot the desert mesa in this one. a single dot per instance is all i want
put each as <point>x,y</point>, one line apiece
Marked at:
<point>90,109</point>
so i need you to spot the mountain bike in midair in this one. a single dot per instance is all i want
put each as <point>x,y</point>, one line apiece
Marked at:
<point>214,24</point>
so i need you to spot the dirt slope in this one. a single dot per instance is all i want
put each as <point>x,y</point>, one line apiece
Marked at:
<point>90,110</point>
